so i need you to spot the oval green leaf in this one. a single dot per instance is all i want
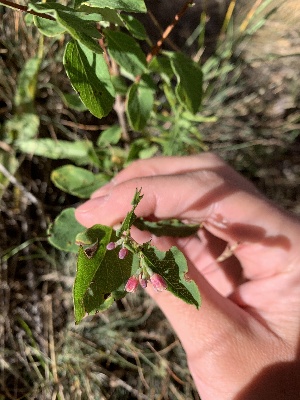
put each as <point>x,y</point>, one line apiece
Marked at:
<point>139,104</point>
<point>126,52</point>
<point>63,231</point>
<point>80,152</point>
<point>111,135</point>
<point>47,27</point>
<point>172,266</point>
<point>100,278</point>
<point>134,26</point>
<point>77,181</point>
<point>90,77</point>
<point>189,81</point>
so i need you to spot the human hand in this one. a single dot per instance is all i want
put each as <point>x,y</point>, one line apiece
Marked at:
<point>243,343</point>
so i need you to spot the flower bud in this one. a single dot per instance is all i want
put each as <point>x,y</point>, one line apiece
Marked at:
<point>158,282</point>
<point>111,246</point>
<point>143,282</point>
<point>123,253</point>
<point>132,284</point>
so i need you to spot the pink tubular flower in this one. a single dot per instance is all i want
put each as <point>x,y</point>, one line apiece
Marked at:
<point>158,282</point>
<point>132,284</point>
<point>123,253</point>
<point>111,246</point>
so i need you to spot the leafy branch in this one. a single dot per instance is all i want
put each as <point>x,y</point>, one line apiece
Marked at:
<point>111,264</point>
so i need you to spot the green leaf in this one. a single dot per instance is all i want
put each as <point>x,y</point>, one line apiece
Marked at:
<point>49,7</point>
<point>22,127</point>
<point>148,152</point>
<point>28,19</point>
<point>162,65</point>
<point>90,77</point>
<point>123,5</point>
<point>73,101</point>
<point>47,27</point>
<point>139,103</point>
<point>126,52</point>
<point>170,227</point>
<point>134,26</point>
<point>105,14</point>
<point>80,152</point>
<point>141,148</point>
<point>120,84</point>
<point>83,31</point>
<point>172,266</point>
<point>111,135</point>
<point>130,217</point>
<point>101,276</point>
<point>64,230</point>
<point>77,181</point>
<point>189,81</point>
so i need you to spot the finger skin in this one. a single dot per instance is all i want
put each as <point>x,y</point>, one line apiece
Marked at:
<point>229,208</point>
<point>246,327</point>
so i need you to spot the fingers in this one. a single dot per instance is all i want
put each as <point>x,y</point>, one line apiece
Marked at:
<point>174,166</point>
<point>179,180</point>
<point>201,189</point>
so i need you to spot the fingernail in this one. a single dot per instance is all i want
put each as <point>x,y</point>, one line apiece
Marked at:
<point>90,205</point>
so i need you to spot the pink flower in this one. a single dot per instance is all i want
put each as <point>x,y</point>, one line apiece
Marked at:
<point>111,246</point>
<point>158,282</point>
<point>132,284</point>
<point>123,253</point>
<point>143,282</point>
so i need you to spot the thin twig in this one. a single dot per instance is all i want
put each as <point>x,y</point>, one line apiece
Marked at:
<point>156,49</point>
<point>158,26</point>
<point>119,105</point>
<point>173,375</point>
<point>18,7</point>
<point>83,127</point>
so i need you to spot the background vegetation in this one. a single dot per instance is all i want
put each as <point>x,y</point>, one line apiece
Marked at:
<point>250,116</point>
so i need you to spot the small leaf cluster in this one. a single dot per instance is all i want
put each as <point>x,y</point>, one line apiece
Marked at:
<point>111,264</point>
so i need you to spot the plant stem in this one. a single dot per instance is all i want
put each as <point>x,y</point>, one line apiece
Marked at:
<point>155,49</point>
<point>119,106</point>
<point>18,7</point>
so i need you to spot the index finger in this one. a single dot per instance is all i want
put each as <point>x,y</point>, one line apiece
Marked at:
<point>172,166</point>
<point>205,190</point>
